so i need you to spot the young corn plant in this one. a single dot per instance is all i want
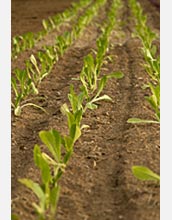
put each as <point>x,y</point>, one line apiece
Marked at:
<point>40,65</point>
<point>152,61</point>
<point>92,84</point>
<point>85,19</point>
<point>28,40</point>
<point>22,86</point>
<point>52,164</point>
<point>55,21</point>
<point>152,67</point>
<point>63,42</point>
<point>26,82</point>
<point>21,43</point>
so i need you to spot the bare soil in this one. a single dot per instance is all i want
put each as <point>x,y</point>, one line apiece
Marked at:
<point>98,183</point>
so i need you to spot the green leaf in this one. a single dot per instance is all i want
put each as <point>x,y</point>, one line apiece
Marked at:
<point>68,143</point>
<point>14,85</point>
<point>52,140</point>
<point>117,75</point>
<point>91,106</point>
<point>67,156</point>
<point>101,85</point>
<point>32,104</point>
<point>75,132</point>
<point>42,164</point>
<point>64,109</point>
<point>138,120</point>
<point>144,173</point>
<point>33,60</point>
<point>35,90</point>
<point>103,97</point>
<point>78,117</point>
<point>54,197</point>
<point>36,188</point>
<point>44,23</point>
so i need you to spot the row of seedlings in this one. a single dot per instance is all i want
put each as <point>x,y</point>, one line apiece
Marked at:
<point>26,81</point>
<point>28,40</point>
<point>152,67</point>
<point>60,147</point>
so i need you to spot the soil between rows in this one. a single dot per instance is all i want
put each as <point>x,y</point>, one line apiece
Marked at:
<point>98,183</point>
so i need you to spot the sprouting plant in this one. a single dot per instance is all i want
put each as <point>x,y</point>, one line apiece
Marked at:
<point>22,86</point>
<point>63,42</point>
<point>52,164</point>
<point>152,62</point>
<point>41,64</point>
<point>152,67</point>
<point>28,40</point>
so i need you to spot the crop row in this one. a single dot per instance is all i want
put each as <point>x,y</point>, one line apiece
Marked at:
<point>53,165</point>
<point>152,67</point>
<point>28,40</point>
<point>26,81</point>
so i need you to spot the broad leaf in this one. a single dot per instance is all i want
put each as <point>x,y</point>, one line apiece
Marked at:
<point>52,140</point>
<point>144,173</point>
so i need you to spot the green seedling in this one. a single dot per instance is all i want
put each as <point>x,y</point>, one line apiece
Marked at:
<point>39,67</point>
<point>152,61</point>
<point>91,104</point>
<point>152,67</point>
<point>28,40</point>
<point>50,166</point>
<point>21,43</point>
<point>16,46</point>
<point>63,42</point>
<point>35,65</point>
<point>22,86</point>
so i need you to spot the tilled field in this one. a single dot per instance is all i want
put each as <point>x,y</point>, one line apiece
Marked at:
<point>98,183</point>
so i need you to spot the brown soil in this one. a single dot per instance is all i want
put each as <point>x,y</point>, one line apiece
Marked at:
<point>98,183</point>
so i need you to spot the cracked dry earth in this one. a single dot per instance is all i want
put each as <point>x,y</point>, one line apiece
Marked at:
<point>98,183</point>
